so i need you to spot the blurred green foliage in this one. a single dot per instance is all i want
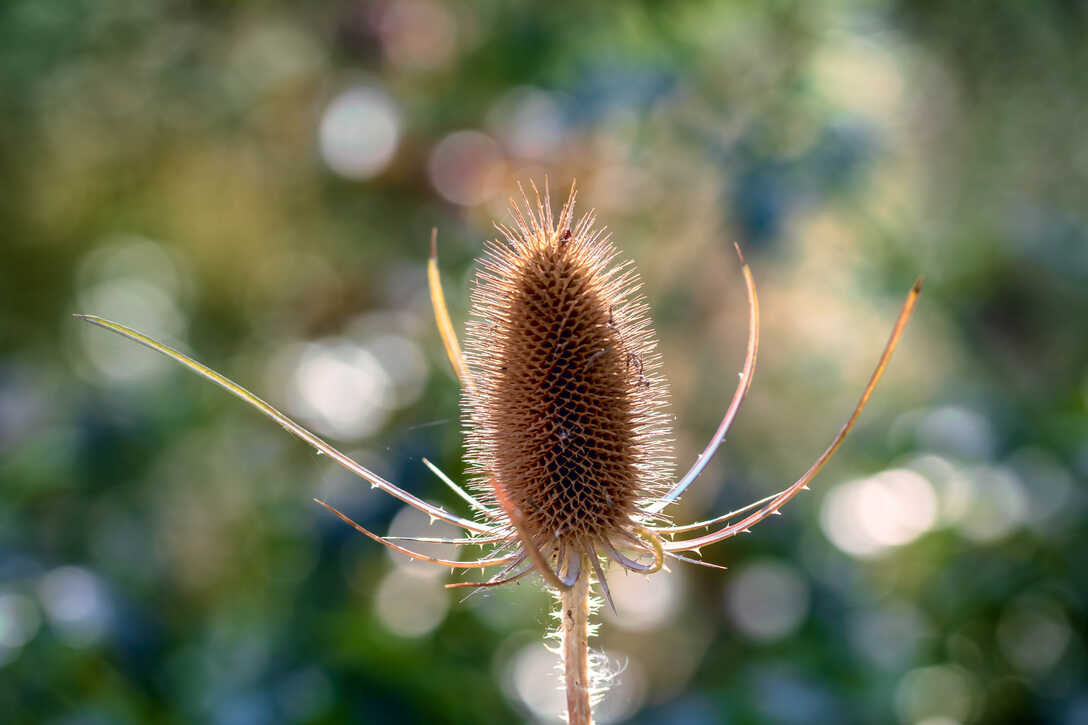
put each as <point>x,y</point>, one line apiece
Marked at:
<point>256,182</point>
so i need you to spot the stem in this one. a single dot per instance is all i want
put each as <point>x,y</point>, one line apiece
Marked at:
<point>575,608</point>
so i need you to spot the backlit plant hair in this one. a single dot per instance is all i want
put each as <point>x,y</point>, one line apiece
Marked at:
<point>568,441</point>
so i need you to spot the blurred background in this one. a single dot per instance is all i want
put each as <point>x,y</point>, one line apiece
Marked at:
<point>255,183</point>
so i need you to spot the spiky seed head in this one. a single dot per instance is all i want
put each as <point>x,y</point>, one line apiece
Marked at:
<point>566,412</point>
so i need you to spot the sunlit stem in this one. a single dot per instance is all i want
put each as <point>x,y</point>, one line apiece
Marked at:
<point>575,634</point>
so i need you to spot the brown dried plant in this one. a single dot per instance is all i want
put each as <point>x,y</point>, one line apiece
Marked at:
<point>568,441</point>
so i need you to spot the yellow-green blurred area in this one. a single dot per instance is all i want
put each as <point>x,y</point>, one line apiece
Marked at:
<point>255,183</point>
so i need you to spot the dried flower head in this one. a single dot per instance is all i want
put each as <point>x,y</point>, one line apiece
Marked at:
<point>567,434</point>
<point>565,417</point>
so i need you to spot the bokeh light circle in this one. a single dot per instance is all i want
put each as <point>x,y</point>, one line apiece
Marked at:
<point>767,600</point>
<point>410,606</point>
<point>865,517</point>
<point>466,168</point>
<point>359,132</point>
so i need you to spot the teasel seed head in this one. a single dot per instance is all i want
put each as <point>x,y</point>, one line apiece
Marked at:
<point>567,432</point>
<point>566,415</point>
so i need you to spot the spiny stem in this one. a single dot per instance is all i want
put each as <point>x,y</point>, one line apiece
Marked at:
<point>575,627</point>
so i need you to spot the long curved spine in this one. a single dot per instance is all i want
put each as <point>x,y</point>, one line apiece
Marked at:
<point>802,483</point>
<point>477,564</point>
<point>442,317</point>
<point>741,392</point>
<point>289,425</point>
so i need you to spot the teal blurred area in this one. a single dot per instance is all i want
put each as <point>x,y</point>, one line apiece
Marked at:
<point>256,183</point>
